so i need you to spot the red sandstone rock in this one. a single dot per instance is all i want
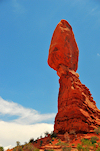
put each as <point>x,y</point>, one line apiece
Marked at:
<point>77,111</point>
<point>63,48</point>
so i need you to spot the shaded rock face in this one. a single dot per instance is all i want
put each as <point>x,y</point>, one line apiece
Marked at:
<point>77,111</point>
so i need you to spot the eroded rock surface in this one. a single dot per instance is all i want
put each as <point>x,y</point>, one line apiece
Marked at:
<point>77,111</point>
<point>63,48</point>
<point>76,108</point>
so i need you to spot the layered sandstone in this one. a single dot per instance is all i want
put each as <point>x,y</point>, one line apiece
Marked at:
<point>77,110</point>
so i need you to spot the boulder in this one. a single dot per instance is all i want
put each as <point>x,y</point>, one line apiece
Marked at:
<point>63,48</point>
<point>77,111</point>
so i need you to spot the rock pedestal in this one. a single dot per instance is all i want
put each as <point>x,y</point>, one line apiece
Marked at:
<point>77,111</point>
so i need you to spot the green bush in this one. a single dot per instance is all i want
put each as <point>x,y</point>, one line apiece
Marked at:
<point>50,141</point>
<point>79,147</point>
<point>35,141</point>
<point>40,136</point>
<point>18,143</point>
<point>20,148</point>
<point>66,149</point>
<point>14,149</point>
<point>97,131</point>
<point>86,142</point>
<point>36,149</point>
<point>31,140</point>
<point>41,143</point>
<point>61,144</point>
<point>99,144</point>
<point>49,150</point>
<point>98,149</point>
<point>30,147</point>
<point>53,134</point>
<point>94,139</point>
<point>58,144</point>
<point>1,148</point>
<point>46,133</point>
<point>85,149</point>
<point>53,138</point>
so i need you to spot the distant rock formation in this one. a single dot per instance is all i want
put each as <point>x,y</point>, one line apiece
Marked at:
<point>77,111</point>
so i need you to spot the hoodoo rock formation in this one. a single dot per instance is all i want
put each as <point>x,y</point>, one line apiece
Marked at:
<point>77,110</point>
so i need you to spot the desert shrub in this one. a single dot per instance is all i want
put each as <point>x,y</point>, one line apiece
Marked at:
<point>35,141</point>
<point>73,144</point>
<point>89,143</point>
<point>85,149</point>
<point>25,143</point>
<point>79,147</point>
<point>50,141</point>
<point>97,131</point>
<point>40,136</point>
<point>47,140</point>
<point>94,146</point>
<point>94,139</point>
<point>66,149</point>
<point>58,144</point>
<point>41,143</point>
<point>19,148</point>
<point>61,144</point>
<point>46,133</point>
<point>49,150</point>
<point>98,149</point>
<point>36,149</point>
<point>65,144</point>
<point>25,146</point>
<point>53,138</point>
<point>86,142</point>
<point>18,143</point>
<point>30,147</point>
<point>14,149</point>
<point>53,134</point>
<point>31,140</point>
<point>1,148</point>
<point>99,144</point>
<point>37,138</point>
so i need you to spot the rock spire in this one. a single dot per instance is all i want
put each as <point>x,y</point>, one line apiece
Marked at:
<point>77,110</point>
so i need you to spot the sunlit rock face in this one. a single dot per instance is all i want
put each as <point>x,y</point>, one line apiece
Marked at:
<point>77,110</point>
<point>63,48</point>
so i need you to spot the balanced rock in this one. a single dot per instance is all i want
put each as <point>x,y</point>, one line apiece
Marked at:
<point>77,111</point>
<point>63,48</point>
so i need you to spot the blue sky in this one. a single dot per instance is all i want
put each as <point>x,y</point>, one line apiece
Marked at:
<point>28,86</point>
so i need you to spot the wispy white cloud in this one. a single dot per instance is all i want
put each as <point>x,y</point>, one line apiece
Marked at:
<point>98,54</point>
<point>8,147</point>
<point>12,132</point>
<point>24,115</point>
<point>26,125</point>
